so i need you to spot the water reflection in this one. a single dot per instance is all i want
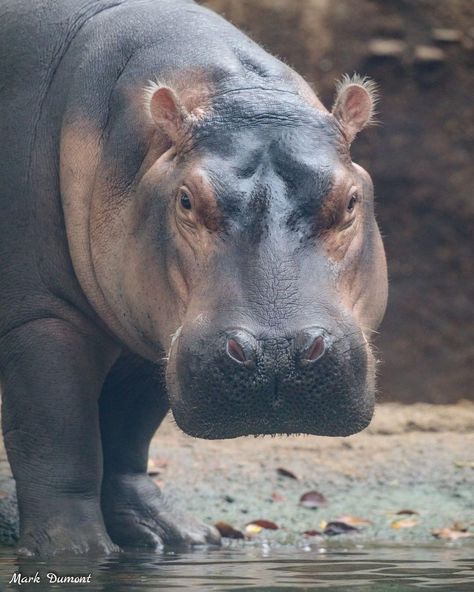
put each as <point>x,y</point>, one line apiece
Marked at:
<point>253,568</point>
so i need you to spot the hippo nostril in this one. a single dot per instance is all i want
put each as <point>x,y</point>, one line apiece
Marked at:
<point>241,347</point>
<point>316,350</point>
<point>310,345</point>
<point>235,351</point>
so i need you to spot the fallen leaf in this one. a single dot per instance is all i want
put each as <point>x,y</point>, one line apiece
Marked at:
<point>277,497</point>
<point>459,526</point>
<point>464,464</point>
<point>451,534</point>
<point>312,533</point>
<point>252,529</point>
<point>228,532</point>
<point>404,523</point>
<point>353,520</point>
<point>3,494</point>
<point>156,466</point>
<point>153,469</point>
<point>286,473</point>
<point>335,527</point>
<point>406,513</point>
<point>159,482</point>
<point>267,524</point>
<point>313,500</point>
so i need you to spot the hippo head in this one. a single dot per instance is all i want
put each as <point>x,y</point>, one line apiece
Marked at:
<point>277,261</point>
<point>269,262</point>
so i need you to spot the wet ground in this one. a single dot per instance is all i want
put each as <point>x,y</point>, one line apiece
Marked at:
<point>418,460</point>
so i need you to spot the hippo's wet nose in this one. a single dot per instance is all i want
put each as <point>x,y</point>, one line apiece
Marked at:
<point>242,347</point>
<point>310,345</point>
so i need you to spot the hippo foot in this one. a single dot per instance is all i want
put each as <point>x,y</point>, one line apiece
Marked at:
<point>64,539</point>
<point>136,515</point>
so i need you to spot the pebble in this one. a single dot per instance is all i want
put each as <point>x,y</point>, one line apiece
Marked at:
<point>446,35</point>
<point>429,54</point>
<point>389,48</point>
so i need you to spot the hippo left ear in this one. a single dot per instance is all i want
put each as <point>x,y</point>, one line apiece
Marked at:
<point>354,105</point>
<point>166,110</point>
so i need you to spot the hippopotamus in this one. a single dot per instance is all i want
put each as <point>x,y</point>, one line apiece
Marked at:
<point>182,227</point>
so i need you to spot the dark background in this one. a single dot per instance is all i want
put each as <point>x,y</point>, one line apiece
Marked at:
<point>421,53</point>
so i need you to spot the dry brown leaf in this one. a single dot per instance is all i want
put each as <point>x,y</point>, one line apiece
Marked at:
<point>266,524</point>
<point>407,513</point>
<point>353,520</point>
<point>313,500</point>
<point>286,473</point>
<point>3,494</point>
<point>459,526</point>
<point>451,534</point>
<point>252,529</point>
<point>153,469</point>
<point>312,533</point>
<point>335,527</point>
<point>404,523</point>
<point>228,532</point>
<point>464,464</point>
<point>277,497</point>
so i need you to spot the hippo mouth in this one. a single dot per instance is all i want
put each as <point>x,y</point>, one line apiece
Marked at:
<point>343,421</point>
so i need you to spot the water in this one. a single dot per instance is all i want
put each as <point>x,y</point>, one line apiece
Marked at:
<point>383,569</point>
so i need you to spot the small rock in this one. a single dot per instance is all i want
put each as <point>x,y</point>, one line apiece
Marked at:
<point>446,36</point>
<point>387,48</point>
<point>429,54</point>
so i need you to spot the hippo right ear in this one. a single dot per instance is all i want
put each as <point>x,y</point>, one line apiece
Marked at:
<point>166,110</point>
<point>354,104</point>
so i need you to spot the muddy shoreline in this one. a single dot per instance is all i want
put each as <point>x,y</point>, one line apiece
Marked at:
<point>418,457</point>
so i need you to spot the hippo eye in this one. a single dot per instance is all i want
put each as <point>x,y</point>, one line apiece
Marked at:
<point>185,201</point>
<point>352,202</point>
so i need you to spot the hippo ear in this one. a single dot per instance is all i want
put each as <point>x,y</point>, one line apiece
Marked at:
<point>354,105</point>
<point>166,110</point>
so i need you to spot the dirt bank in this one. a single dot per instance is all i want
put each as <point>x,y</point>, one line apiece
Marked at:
<point>417,457</point>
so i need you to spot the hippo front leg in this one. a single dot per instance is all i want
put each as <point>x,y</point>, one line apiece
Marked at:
<point>52,373</point>
<point>132,406</point>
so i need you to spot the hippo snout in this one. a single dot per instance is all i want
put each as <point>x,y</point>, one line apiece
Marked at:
<point>238,382</point>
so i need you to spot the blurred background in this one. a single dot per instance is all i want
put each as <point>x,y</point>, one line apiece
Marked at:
<point>421,54</point>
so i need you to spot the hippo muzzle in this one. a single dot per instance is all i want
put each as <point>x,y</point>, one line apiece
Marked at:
<point>238,381</point>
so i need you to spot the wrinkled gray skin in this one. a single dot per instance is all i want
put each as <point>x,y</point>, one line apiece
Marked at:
<point>206,245</point>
